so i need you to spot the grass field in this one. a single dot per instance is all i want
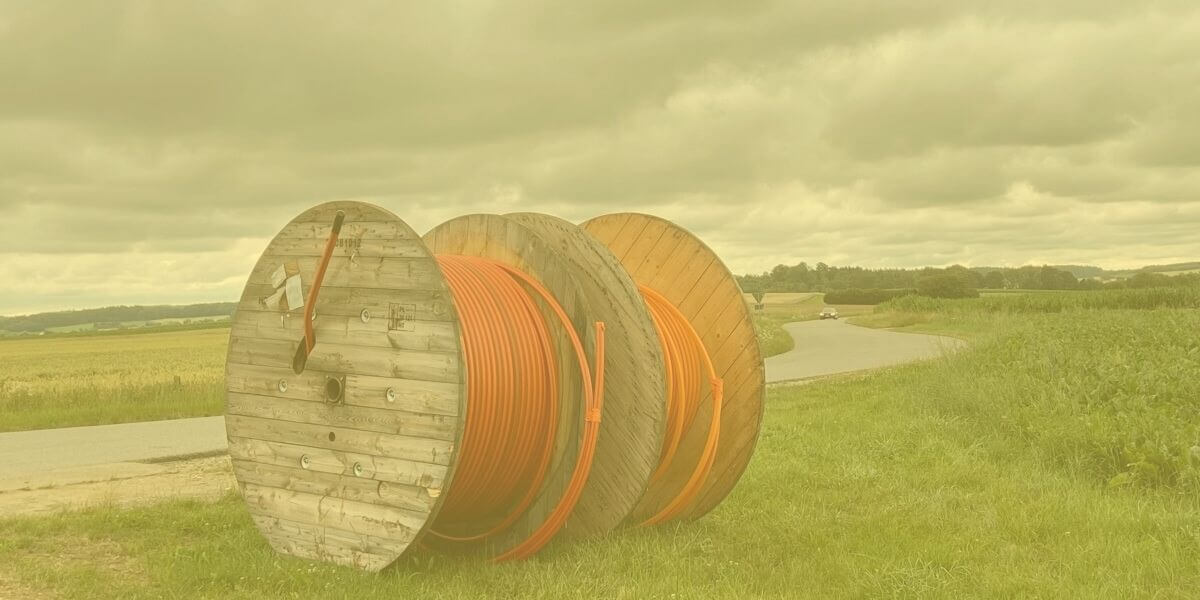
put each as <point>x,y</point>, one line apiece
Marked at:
<point>92,380</point>
<point>1056,457</point>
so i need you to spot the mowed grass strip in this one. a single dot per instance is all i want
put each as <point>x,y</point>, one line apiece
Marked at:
<point>95,380</point>
<point>988,473</point>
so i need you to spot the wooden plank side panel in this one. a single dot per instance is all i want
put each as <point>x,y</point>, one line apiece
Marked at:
<point>364,272</point>
<point>413,499</point>
<point>355,212</point>
<point>400,471</point>
<point>435,427</point>
<point>353,482</point>
<point>347,246</point>
<point>350,516</point>
<point>347,359</point>
<point>355,230</point>
<point>383,304</point>
<point>410,395</point>
<point>743,425</point>
<point>435,452</point>
<point>304,540</point>
<point>376,332</point>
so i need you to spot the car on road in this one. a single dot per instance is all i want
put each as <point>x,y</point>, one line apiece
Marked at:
<point>828,313</point>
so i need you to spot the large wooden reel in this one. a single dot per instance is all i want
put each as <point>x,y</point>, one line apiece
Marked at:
<point>348,461</point>
<point>675,263</point>
<point>354,481</point>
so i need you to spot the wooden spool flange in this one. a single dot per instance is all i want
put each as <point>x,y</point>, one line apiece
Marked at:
<point>591,286</point>
<point>353,481</point>
<point>676,264</point>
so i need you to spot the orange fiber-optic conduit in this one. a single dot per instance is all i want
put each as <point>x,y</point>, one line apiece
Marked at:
<point>683,352</point>
<point>512,404</point>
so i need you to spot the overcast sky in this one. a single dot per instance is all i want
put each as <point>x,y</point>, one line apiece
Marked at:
<point>149,150</point>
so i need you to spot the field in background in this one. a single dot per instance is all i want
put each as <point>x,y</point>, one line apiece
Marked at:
<point>1055,457</point>
<point>117,326</point>
<point>93,380</point>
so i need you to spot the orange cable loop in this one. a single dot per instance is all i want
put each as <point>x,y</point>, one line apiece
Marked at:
<point>683,353</point>
<point>512,404</point>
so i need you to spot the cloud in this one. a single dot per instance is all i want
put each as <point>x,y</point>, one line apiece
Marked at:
<point>139,134</point>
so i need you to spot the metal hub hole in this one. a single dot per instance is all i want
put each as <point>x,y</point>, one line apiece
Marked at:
<point>334,389</point>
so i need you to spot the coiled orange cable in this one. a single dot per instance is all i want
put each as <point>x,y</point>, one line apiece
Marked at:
<point>512,405</point>
<point>684,353</point>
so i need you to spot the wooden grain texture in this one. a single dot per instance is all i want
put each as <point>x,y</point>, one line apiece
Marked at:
<point>355,481</point>
<point>634,415</point>
<point>591,286</point>
<point>501,239</point>
<point>678,265</point>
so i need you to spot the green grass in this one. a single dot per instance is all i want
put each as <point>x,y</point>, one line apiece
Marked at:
<point>1052,458</point>
<point>93,380</point>
<point>1050,302</point>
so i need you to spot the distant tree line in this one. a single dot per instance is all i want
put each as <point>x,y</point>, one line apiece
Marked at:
<point>113,315</point>
<point>951,282</point>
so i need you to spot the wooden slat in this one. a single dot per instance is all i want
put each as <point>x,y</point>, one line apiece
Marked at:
<point>334,485</point>
<point>377,332</point>
<point>340,438</point>
<point>321,543</point>
<point>322,460</point>
<point>358,230</point>
<point>369,272</point>
<point>411,395</point>
<point>347,359</point>
<point>347,246</point>
<point>346,515</point>
<point>355,212</point>
<point>380,420</point>
<point>414,304</point>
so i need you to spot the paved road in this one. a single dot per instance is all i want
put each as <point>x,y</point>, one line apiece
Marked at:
<point>25,453</point>
<point>834,346</point>
<point>27,457</point>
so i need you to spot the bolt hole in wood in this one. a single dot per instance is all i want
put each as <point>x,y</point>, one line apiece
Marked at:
<point>332,436</point>
<point>333,390</point>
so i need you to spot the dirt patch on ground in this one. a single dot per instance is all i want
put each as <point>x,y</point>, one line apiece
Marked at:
<point>11,589</point>
<point>123,485</point>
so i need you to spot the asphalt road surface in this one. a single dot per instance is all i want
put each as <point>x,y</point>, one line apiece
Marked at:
<point>834,346</point>
<point>822,348</point>
<point>26,453</point>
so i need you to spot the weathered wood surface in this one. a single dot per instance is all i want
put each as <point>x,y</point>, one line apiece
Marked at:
<point>499,238</point>
<point>355,481</point>
<point>634,416</point>
<point>673,262</point>
<point>591,286</point>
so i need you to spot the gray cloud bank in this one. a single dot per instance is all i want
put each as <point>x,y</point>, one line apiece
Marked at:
<point>148,150</point>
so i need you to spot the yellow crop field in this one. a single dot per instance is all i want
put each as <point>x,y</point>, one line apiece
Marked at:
<point>92,380</point>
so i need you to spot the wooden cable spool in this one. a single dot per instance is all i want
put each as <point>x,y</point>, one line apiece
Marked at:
<point>672,261</point>
<point>347,461</point>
